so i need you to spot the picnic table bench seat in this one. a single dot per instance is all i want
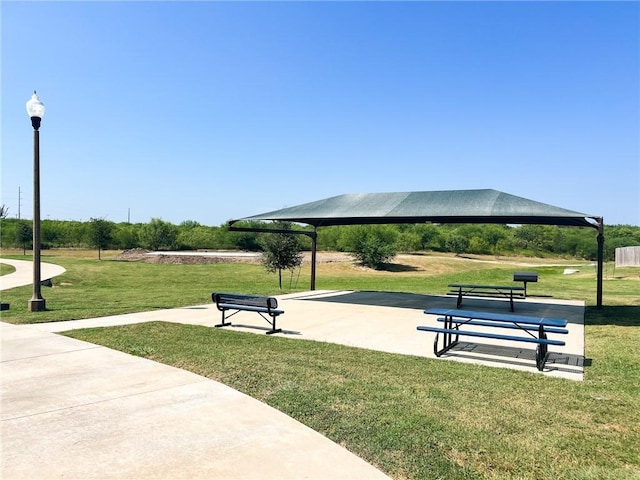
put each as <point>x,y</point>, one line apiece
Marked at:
<point>472,290</point>
<point>266,307</point>
<point>453,319</point>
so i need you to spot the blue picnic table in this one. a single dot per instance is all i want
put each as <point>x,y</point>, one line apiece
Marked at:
<point>534,329</point>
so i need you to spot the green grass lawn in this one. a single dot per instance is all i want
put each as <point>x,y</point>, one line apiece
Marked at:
<point>414,418</point>
<point>6,269</point>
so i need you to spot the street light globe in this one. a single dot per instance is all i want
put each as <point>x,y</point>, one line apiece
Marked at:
<point>35,108</point>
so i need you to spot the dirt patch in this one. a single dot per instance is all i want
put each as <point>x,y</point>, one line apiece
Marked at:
<point>199,258</point>
<point>132,255</point>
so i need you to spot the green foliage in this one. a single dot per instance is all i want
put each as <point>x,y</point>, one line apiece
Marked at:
<point>457,244</point>
<point>430,236</point>
<point>329,239</point>
<point>24,235</point>
<point>158,234</point>
<point>532,240</point>
<point>100,234</point>
<point>125,236</point>
<point>409,242</point>
<point>196,238</point>
<point>281,251</point>
<point>371,245</point>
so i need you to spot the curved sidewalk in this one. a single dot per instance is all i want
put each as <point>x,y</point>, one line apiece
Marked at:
<point>24,273</point>
<point>72,409</point>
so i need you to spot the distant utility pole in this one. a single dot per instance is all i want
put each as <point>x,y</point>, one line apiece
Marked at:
<point>19,201</point>
<point>128,215</point>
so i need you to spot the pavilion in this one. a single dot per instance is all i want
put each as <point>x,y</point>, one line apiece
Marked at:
<point>450,206</point>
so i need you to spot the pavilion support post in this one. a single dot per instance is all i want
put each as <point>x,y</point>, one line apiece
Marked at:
<point>314,245</point>
<point>600,262</point>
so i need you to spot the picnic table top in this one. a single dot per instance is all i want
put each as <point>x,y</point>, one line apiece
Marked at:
<point>498,317</point>
<point>473,285</point>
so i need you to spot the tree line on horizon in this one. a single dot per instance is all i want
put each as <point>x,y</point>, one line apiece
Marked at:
<point>384,240</point>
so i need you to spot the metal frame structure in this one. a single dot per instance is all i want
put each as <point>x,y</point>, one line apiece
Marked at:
<point>454,206</point>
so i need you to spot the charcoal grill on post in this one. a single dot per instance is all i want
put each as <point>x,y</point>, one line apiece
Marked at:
<point>525,277</point>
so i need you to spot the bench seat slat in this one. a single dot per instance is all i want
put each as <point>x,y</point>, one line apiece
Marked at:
<point>482,323</point>
<point>498,317</point>
<point>250,308</point>
<point>453,331</point>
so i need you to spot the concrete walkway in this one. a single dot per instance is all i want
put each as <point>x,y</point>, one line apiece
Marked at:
<point>74,410</point>
<point>24,273</point>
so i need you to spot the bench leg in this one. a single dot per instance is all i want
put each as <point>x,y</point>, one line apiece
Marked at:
<point>511,300</point>
<point>273,327</point>
<point>272,322</point>
<point>223,324</point>
<point>459,302</point>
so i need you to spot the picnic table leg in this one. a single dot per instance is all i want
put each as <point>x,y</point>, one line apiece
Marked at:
<point>459,302</point>
<point>448,340</point>
<point>511,300</point>
<point>542,350</point>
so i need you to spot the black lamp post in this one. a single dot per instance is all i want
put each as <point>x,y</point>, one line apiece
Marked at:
<point>35,109</point>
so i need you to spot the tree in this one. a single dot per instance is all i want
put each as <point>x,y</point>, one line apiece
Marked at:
<point>371,245</point>
<point>281,251</point>
<point>429,235</point>
<point>494,234</point>
<point>457,244</point>
<point>4,211</point>
<point>24,234</point>
<point>100,232</point>
<point>157,234</point>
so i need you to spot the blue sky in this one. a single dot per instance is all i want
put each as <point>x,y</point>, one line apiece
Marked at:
<point>211,111</point>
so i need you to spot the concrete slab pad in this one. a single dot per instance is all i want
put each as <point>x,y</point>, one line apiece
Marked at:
<point>385,321</point>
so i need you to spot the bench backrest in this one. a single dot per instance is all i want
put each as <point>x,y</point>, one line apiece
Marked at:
<point>248,300</point>
<point>488,287</point>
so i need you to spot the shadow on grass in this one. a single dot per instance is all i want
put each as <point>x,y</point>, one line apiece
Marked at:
<point>397,267</point>
<point>620,315</point>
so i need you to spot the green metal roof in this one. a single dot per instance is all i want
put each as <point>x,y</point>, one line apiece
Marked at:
<point>453,206</point>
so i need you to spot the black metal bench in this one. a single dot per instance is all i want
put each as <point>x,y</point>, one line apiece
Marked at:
<point>453,319</point>
<point>472,290</point>
<point>266,307</point>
